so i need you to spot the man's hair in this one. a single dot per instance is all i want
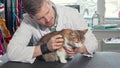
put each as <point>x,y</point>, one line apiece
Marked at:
<point>32,6</point>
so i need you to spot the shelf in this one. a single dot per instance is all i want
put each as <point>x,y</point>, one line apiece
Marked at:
<point>114,40</point>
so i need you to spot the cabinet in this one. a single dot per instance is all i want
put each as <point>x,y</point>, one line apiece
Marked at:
<point>104,34</point>
<point>114,47</point>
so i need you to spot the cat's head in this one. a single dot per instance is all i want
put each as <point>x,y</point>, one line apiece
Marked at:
<point>74,38</point>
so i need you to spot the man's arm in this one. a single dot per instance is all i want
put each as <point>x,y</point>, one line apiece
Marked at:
<point>17,49</point>
<point>54,43</point>
<point>83,50</point>
<point>37,51</point>
<point>90,44</point>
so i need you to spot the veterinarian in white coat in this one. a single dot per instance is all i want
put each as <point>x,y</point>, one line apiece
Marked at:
<point>41,18</point>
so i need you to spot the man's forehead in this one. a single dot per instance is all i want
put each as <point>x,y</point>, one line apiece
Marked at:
<point>44,10</point>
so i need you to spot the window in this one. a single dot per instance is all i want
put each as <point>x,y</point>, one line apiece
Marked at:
<point>112,8</point>
<point>109,10</point>
<point>87,7</point>
<point>70,3</point>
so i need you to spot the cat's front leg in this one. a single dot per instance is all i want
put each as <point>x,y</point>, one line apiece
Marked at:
<point>62,55</point>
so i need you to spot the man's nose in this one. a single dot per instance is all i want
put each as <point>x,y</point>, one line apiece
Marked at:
<point>47,18</point>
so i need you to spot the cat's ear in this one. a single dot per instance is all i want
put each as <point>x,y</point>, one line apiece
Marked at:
<point>84,31</point>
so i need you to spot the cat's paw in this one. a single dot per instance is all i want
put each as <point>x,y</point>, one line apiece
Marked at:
<point>63,61</point>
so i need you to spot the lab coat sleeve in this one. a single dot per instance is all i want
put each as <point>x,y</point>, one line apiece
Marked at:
<point>91,42</point>
<point>17,49</point>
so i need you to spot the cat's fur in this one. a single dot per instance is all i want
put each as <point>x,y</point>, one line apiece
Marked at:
<point>72,38</point>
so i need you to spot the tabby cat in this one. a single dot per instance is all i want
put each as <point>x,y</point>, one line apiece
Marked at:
<point>72,38</point>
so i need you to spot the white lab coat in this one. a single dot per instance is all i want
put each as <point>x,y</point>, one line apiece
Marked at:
<point>21,46</point>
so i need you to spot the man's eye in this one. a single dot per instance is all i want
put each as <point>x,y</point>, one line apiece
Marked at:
<point>41,18</point>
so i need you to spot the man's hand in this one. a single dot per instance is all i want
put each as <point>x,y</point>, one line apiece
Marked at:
<point>70,52</point>
<point>81,50</point>
<point>55,42</point>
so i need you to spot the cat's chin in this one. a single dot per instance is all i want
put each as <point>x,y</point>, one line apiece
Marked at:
<point>77,45</point>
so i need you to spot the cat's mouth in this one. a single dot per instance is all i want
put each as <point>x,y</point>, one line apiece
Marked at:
<point>71,44</point>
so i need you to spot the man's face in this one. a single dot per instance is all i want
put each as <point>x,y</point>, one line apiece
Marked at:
<point>46,16</point>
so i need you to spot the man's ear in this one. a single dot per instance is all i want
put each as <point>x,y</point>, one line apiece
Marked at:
<point>30,16</point>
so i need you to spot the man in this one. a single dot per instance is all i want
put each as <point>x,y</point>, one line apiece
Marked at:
<point>41,18</point>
